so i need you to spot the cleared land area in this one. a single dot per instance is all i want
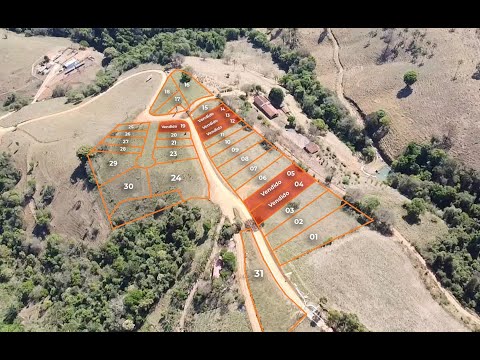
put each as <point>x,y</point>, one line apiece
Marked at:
<point>134,180</point>
<point>18,54</point>
<point>275,310</point>
<point>444,100</point>
<point>367,268</point>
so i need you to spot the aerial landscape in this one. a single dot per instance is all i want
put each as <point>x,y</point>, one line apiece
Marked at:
<point>239,180</point>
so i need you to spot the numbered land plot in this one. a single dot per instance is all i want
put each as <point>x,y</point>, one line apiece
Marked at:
<point>128,142</point>
<point>173,142</point>
<point>133,184</point>
<point>136,134</point>
<point>262,177</point>
<point>205,107</point>
<point>174,135</point>
<point>275,310</point>
<point>303,218</point>
<point>132,126</point>
<point>164,155</point>
<point>166,93</point>
<point>222,134</point>
<point>237,150</point>
<point>333,227</point>
<point>107,165</point>
<point>252,167</point>
<point>190,87</point>
<point>185,176</point>
<point>135,210</point>
<point>173,105</point>
<point>282,189</point>
<point>232,140</point>
<point>298,208</point>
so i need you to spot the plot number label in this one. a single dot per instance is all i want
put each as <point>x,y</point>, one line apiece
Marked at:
<point>204,107</point>
<point>173,153</point>
<point>298,221</point>
<point>258,273</point>
<point>123,148</point>
<point>291,173</point>
<point>173,134</point>
<point>174,142</point>
<point>177,98</point>
<point>313,236</point>
<point>113,163</point>
<point>174,177</point>
<point>127,186</point>
<point>289,210</point>
<point>262,177</point>
<point>235,149</point>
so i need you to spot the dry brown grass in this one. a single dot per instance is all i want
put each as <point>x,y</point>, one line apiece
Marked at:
<point>371,276</point>
<point>35,110</point>
<point>438,105</point>
<point>17,55</point>
<point>52,144</point>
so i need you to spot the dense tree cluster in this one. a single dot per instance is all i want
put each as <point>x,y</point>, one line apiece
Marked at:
<point>112,287</point>
<point>427,173</point>
<point>341,321</point>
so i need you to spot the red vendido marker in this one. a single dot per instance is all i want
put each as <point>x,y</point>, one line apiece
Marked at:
<point>278,192</point>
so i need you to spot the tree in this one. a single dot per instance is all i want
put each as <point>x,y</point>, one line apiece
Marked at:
<point>369,153</point>
<point>415,208</point>
<point>291,121</point>
<point>276,96</point>
<point>59,91</point>
<point>340,321</point>
<point>83,151</point>
<point>84,44</point>
<point>410,77</point>
<point>75,97</point>
<point>229,260</point>
<point>48,192</point>
<point>185,78</point>
<point>43,216</point>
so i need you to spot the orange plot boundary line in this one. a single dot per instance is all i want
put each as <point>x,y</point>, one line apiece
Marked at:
<point>271,274</point>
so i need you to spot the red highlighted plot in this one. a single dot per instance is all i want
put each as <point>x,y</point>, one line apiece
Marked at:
<point>173,126</point>
<point>278,192</point>
<point>215,122</point>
